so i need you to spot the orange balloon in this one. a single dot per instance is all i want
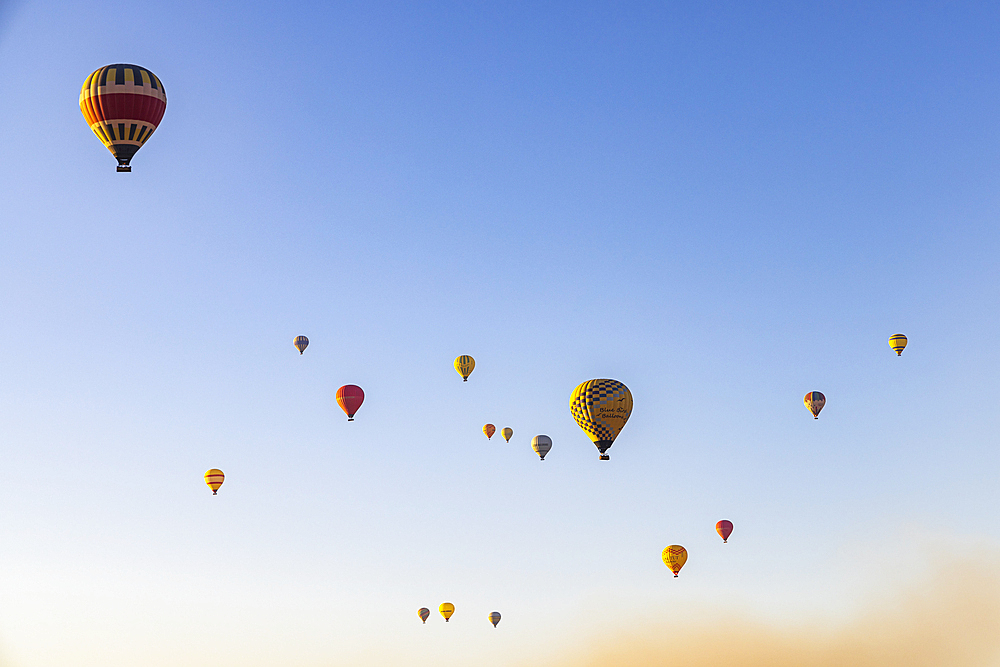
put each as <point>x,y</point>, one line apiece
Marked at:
<point>489,430</point>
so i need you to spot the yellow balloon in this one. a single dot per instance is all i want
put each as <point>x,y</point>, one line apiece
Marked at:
<point>601,408</point>
<point>898,343</point>
<point>674,557</point>
<point>446,609</point>
<point>494,618</point>
<point>214,479</point>
<point>507,432</point>
<point>465,365</point>
<point>489,430</point>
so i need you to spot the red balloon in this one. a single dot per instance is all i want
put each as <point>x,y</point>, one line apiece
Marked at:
<point>350,397</point>
<point>724,529</point>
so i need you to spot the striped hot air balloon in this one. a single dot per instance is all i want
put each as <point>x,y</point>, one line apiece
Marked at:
<point>214,478</point>
<point>465,364</point>
<point>494,618</point>
<point>898,343</point>
<point>123,105</point>
<point>301,343</point>
<point>349,398</point>
<point>489,430</point>
<point>423,613</point>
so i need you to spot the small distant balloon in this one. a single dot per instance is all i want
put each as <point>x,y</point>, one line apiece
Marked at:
<point>724,529</point>
<point>465,364</point>
<point>601,408</point>
<point>815,401</point>
<point>898,343</point>
<point>494,618</point>
<point>507,432</point>
<point>446,609</point>
<point>541,444</point>
<point>674,557</point>
<point>214,478</point>
<point>301,343</point>
<point>489,430</point>
<point>423,613</point>
<point>350,397</point>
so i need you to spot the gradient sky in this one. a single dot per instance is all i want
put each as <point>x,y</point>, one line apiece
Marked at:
<point>722,206</point>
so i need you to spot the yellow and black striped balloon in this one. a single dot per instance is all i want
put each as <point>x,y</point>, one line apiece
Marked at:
<point>465,364</point>
<point>601,408</point>
<point>301,343</point>
<point>214,478</point>
<point>898,343</point>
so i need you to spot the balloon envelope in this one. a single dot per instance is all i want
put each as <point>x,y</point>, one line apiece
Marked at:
<point>541,444</point>
<point>123,105</point>
<point>898,343</point>
<point>814,401</point>
<point>494,618</point>
<point>446,609</point>
<point>465,364</point>
<point>507,432</point>
<point>601,408</point>
<point>674,557</point>
<point>350,397</point>
<point>724,529</point>
<point>423,613</point>
<point>214,479</point>
<point>301,343</point>
<point>489,430</point>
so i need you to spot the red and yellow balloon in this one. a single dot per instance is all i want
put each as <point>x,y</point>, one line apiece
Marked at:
<point>123,105</point>
<point>349,398</point>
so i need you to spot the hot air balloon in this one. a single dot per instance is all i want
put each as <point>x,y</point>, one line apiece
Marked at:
<point>214,478</point>
<point>724,529</point>
<point>674,557</point>
<point>489,430</point>
<point>601,408</point>
<point>446,609</point>
<point>898,343</point>
<point>815,401</point>
<point>465,364</point>
<point>301,343</point>
<point>123,105</point>
<point>541,444</point>
<point>506,432</point>
<point>350,397</point>
<point>494,618</point>
<point>423,613</point>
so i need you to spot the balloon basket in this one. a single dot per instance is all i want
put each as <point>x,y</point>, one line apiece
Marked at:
<point>605,457</point>
<point>124,167</point>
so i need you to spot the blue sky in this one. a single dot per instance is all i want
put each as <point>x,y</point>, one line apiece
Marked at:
<point>722,207</point>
